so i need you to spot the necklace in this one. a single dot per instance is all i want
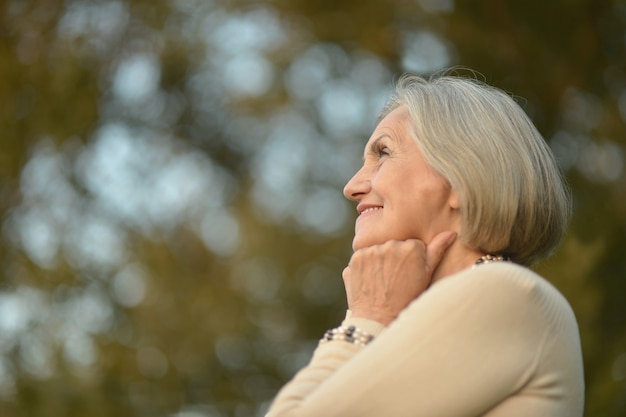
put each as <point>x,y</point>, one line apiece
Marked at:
<point>486,259</point>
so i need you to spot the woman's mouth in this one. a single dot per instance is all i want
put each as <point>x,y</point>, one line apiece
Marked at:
<point>368,211</point>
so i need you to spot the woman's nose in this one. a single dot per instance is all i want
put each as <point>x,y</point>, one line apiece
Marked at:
<point>359,185</point>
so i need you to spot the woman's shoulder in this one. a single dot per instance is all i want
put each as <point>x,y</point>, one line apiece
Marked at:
<point>508,285</point>
<point>502,276</point>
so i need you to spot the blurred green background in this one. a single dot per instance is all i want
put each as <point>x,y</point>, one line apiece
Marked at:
<point>173,229</point>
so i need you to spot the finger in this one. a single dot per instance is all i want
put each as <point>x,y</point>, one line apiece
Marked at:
<point>437,248</point>
<point>346,279</point>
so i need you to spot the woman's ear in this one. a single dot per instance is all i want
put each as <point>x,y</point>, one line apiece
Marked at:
<point>453,200</point>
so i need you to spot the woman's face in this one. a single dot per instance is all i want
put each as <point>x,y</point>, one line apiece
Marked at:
<point>399,196</point>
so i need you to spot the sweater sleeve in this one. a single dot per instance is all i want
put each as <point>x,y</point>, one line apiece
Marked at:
<point>466,344</point>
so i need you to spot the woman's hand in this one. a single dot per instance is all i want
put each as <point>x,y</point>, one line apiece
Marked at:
<point>381,280</point>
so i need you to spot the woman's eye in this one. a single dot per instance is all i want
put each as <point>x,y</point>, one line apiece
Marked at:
<point>382,151</point>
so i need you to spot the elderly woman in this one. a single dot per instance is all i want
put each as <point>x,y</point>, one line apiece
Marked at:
<point>458,194</point>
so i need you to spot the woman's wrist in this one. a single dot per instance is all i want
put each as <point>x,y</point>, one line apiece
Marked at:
<point>384,319</point>
<point>373,327</point>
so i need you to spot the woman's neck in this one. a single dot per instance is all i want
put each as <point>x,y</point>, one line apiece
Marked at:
<point>457,258</point>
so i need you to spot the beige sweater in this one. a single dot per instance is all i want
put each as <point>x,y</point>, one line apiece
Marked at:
<point>493,341</point>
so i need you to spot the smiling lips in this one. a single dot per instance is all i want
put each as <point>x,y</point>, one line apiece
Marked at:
<point>368,210</point>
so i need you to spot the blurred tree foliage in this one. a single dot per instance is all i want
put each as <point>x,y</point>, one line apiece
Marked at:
<point>173,230</point>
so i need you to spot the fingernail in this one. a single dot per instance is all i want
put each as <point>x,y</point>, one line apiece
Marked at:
<point>452,238</point>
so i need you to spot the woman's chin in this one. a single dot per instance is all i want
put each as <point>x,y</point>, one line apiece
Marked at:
<point>360,242</point>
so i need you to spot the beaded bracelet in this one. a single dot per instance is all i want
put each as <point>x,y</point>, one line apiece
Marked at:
<point>349,334</point>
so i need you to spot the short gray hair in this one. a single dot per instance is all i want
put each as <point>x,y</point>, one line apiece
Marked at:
<point>513,198</point>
